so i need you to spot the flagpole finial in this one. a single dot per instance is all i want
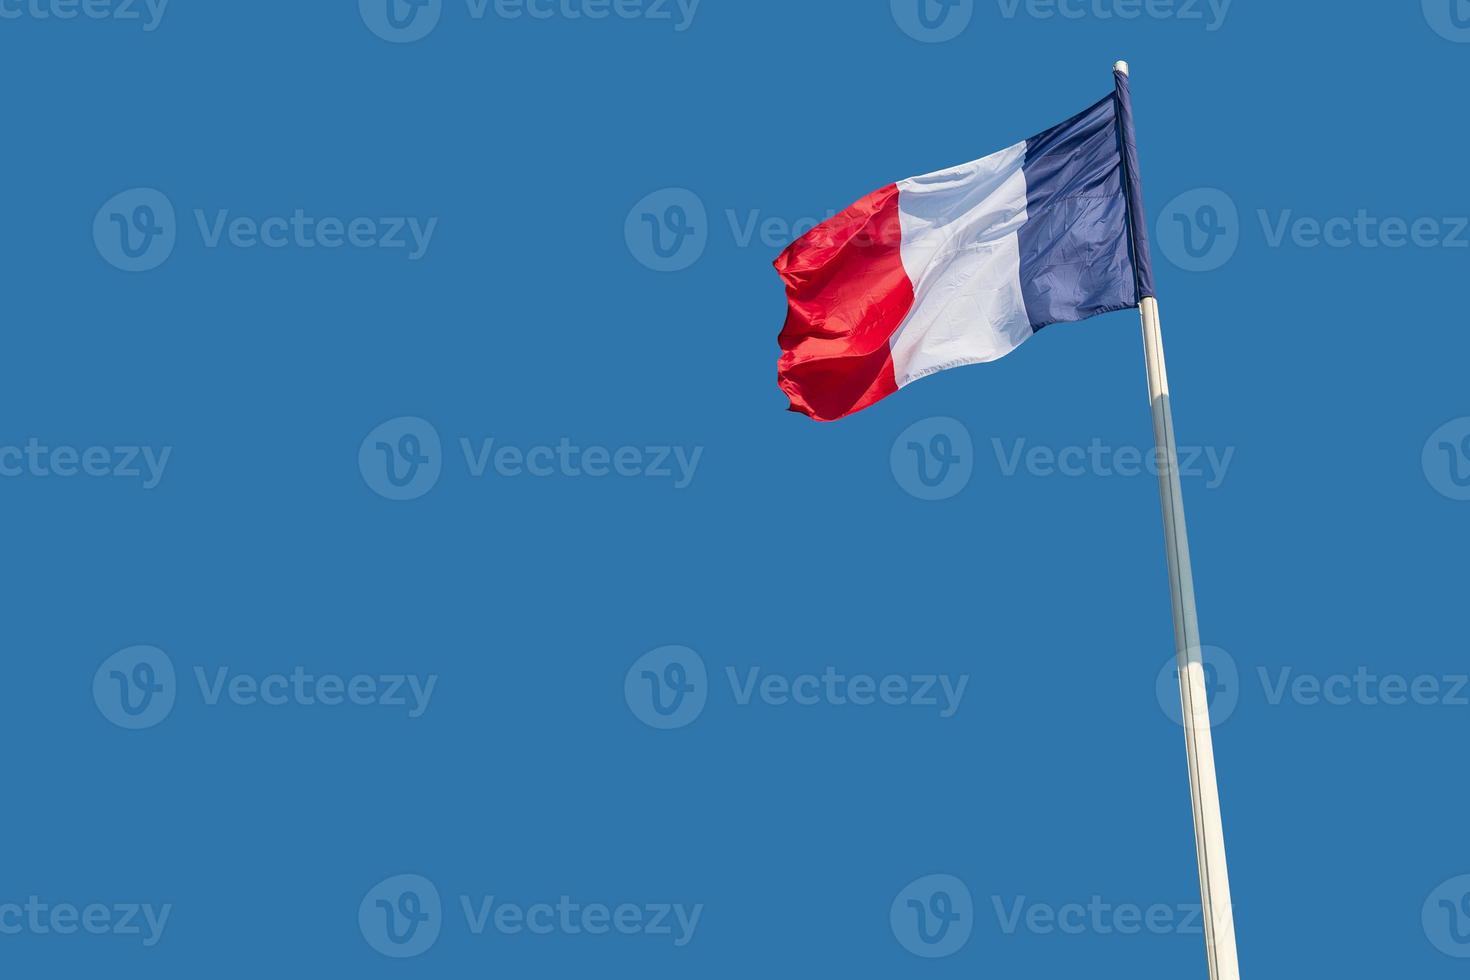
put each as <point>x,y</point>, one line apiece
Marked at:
<point>1121,66</point>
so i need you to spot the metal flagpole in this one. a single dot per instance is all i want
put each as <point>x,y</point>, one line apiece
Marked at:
<point>1209,835</point>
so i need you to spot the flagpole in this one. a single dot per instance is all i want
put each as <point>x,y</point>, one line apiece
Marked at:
<point>1209,834</point>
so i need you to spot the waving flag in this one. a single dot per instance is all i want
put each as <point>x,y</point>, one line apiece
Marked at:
<point>964,265</point>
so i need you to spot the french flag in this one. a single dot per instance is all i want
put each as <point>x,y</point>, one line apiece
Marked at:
<point>964,265</point>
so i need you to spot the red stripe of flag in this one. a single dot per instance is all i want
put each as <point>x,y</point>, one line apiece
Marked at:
<point>848,293</point>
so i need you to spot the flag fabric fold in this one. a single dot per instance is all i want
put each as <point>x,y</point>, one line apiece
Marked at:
<point>966,264</point>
